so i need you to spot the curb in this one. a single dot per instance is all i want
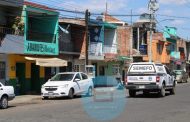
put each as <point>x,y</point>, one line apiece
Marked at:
<point>25,100</point>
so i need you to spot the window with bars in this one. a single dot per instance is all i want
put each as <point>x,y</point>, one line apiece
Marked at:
<point>115,69</point>
<point>76,68</point>
<point>79,68</point>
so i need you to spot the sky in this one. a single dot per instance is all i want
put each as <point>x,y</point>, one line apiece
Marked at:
<point>172,13</point>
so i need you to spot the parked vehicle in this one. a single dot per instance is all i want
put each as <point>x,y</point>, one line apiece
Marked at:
<point>181,76</point>
<point>6,94</point>
<point>148,77</point>
<point>68,84</point>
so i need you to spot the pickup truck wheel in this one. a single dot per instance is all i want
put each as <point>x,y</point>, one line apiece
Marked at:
<point>4,102</point>
<point>162,91</point>
<point>132,93</point>
<point>173,90</point>
<point>71,94</point>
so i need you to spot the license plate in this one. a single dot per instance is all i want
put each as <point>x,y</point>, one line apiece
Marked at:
<point>50,94</point>
<point>141,87</point>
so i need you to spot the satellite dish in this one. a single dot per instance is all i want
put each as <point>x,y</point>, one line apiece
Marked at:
<point>153,5</point>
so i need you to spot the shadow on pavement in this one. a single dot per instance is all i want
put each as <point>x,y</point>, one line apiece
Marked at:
<point>150,95</point>
<point>62,98</point>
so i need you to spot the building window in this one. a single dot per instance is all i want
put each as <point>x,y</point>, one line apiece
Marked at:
<point>79,68</point>
<point>115,69</point>
<point>2,70</point>
<point>76,68</point>
<point>172,47</point>
<point>159,48</point>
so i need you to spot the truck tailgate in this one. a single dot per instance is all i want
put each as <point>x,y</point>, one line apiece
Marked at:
<point>141,79</point>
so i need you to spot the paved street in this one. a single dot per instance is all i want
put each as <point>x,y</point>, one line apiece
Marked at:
<point>172,108</point>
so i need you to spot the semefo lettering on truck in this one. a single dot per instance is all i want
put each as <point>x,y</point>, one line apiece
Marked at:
<point>142,68</point>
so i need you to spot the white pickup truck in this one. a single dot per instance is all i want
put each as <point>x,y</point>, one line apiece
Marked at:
<point>6,94</point>
<point>149,77</point>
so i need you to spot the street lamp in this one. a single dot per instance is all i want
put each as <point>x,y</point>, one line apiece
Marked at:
<point>153,6</point>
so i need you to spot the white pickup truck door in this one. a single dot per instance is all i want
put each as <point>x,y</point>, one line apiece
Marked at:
<point>1,90</point>
<point>169,81</point>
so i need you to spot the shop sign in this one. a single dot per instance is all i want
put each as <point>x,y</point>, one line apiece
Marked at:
<point>41,48</point>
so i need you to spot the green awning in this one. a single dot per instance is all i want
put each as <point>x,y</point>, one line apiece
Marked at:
<point>109,25</point>
<point>171,40</point>
<point>123,58</point>
<point>101,23</point>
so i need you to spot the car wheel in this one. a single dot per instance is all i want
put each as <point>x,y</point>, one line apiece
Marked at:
<point>182,81</point>
<point>71,94</point>
<point>132,93</point>
<point>173,90</point>
<point>90,92</point>
<point>4,102</point>
<point>162,91</point>
<point>186,81</point>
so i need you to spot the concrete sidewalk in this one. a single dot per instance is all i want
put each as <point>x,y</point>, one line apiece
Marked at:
<point>25,99</point>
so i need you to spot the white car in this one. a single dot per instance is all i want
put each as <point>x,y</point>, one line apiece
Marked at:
<point>6,94</point>
<point>68,84</point>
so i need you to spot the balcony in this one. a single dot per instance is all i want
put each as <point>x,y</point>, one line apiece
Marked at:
<point>41,37</point>
<point>96,51</point>
<point>112,49</point>
<point>4,31</point>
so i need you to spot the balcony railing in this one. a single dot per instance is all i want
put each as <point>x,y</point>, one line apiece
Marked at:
<point>41,37</point>
<point>95,49</point>
<point>110,49</point>
<point>5,30</point>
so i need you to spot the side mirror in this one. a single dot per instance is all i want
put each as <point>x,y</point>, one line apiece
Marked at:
<point>76,80</point>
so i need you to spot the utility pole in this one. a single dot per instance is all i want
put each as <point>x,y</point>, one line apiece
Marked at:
<point>153,6</point>
<point>131,37</point>
<point>150,42</point>
<point>87,14</point>
<point>106,7</point>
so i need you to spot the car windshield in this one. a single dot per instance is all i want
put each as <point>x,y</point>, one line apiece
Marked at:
<point>178,72</point>
<point>62,77</point>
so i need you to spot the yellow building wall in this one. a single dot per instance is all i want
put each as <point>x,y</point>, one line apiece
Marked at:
<point>13,59</point>
<point>164,57</point>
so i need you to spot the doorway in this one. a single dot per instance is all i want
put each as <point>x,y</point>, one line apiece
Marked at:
<point>48,74</point>
<point>20,79</point>
<point>35,78</point>
<point>101,70</point>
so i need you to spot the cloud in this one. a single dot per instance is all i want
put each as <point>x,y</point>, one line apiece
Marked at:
<point>142,10</point>
<point>178,22</point>
<point>167,12</point>
<point>177,2</point>
<point>98,5</point>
